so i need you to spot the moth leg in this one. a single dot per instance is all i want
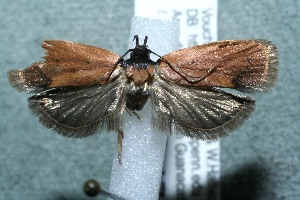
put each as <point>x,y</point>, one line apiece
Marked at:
<point>120,138</point>
<point>132,112</point>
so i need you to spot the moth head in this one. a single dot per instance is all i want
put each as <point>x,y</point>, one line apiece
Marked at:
<point>140,50</point>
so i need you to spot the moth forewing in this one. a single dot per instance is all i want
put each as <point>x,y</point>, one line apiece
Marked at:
<point>66,64</point>
<point>245,65</point>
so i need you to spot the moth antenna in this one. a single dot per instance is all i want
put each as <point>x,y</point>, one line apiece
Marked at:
<point>136,38</point>
<point>145,41</point>
<point>180,72</point>
<point>118,62</point>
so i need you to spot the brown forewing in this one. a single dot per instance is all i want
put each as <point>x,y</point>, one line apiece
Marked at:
<point>66,64</point>
<point>246,65</point>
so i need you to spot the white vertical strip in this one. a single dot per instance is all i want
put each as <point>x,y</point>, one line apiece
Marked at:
<point>192,168</point>
<point>139,176</point>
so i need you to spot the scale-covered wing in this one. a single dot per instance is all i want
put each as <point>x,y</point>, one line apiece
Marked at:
<point>201,113</point>
<point>245,65</point>
<point>79,112</point>
<point>66,64</point>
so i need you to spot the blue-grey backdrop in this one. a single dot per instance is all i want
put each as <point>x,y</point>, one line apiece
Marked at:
<point>259,161</point>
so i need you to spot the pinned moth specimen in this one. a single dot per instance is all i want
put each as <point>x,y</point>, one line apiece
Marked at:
<point>81,89</point>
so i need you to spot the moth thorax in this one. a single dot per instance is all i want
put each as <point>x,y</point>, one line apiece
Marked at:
<point>140,76</point>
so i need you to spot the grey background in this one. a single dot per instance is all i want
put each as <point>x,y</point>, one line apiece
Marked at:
<point>259,161</point>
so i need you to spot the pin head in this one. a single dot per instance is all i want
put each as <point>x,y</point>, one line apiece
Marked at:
<point>91,187</point>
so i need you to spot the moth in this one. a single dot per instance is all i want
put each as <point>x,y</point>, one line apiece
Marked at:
<point>81,89</point>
